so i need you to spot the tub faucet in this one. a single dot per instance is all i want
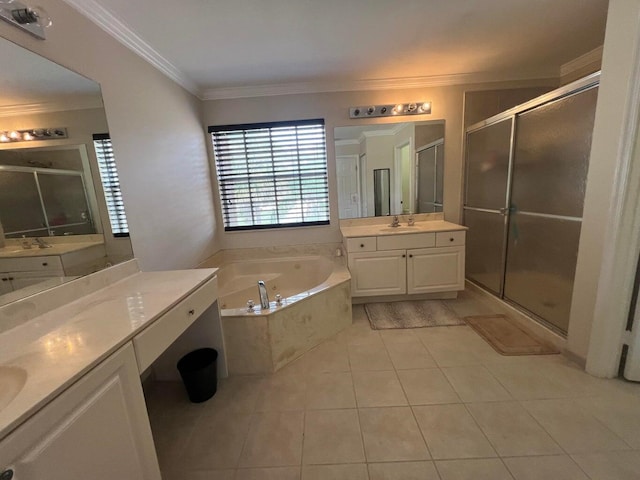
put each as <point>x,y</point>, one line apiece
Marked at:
<point>264,296</point>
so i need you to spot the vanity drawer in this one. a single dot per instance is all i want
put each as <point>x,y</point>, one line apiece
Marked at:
<point>361,244</point>
<point>31,264</point>
<point>404,241</point>
<point>155,339</point>
<point>450,239</point>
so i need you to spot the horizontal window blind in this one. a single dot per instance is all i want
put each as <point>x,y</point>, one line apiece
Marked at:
<point>272,174</point>
<point>111,184</point>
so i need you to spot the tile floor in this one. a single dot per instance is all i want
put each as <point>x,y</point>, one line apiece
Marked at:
<point>425,404</point>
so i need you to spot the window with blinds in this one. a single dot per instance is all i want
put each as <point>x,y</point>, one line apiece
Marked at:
<point>111,184</point>
<point>272,175</point>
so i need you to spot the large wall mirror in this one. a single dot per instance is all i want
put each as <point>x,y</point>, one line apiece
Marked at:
<point>411,154</point>
<point>55,220</point>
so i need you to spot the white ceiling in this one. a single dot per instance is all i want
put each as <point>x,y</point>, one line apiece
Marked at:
<point>214,44</point>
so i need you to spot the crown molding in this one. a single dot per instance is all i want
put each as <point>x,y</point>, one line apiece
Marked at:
<point>49,107</point>
<point>348,141</point>
<point>111,24</point>
<point>224,93</point>
<point>582,61</point>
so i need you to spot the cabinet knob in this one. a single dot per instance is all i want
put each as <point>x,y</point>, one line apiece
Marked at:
<point>362,245</point>
<point>44,264</point>
<point>5,279</point>
<point>10,279</point>
<point>410,255</point>
<point>403,255</point>
<point>451,239</point>
<point>6,475</point>
<point>191,312</point>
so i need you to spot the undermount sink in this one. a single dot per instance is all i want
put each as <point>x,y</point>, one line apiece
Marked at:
<point>400,229</point>
<point>12,380</point>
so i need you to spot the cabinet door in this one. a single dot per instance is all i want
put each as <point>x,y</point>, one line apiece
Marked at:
<point>378,273</point>
<point>97,429</point>
<point>435,269</point>
<point>5,284</point>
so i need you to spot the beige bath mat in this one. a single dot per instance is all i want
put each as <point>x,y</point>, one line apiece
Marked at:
<point>507,338</point>
<point>413,314</point>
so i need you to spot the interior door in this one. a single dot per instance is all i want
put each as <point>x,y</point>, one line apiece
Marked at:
<point>486,202</point>
<point>426,180</point>
<point>348,186</point>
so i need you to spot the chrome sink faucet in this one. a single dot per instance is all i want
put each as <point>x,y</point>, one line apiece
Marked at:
<point>395,222</point>
<point>41,243</point>
<point>264,296</point>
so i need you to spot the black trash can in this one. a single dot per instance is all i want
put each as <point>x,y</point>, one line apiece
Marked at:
<point>198,370</point>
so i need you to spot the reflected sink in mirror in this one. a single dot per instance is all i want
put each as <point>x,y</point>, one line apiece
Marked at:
<point>12,381</point>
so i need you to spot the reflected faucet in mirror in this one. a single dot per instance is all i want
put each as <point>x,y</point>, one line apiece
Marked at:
<point>390,168</point>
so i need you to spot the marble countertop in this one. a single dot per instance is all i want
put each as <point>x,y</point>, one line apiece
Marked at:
<point>16,251</point>
<point>384,229</point>
<point>50,352</point>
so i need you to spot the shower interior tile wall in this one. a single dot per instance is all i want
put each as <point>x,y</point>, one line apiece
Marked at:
<point>432,403</point>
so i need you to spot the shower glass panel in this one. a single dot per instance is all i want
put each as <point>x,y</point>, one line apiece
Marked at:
<point>551,159</point>
<point>382,192</point>
<point>65,201</point>
<point>20,207</point>
<point>541,264</point>
<point>485,244</point>
<point>426,180</point>
<point>485,210</point>
<point>553,143</point>
<point>488,152</point>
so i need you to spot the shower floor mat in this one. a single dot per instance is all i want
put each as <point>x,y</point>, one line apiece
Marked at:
<point>507,338</point>
<point>410,314</point>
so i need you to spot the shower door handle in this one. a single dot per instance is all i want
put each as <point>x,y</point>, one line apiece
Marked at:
<point>504,211</point>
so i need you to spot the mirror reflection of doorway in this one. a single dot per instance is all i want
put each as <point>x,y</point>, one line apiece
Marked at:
<point>404,180</point>
<point>430,177</point>
<point>382,192</point>
<point>348,186</point>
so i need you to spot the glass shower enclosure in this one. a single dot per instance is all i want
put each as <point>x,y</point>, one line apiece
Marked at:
<point>525,178</point>
<point>40,202</point>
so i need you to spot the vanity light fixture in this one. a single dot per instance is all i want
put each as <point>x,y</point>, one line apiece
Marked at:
<point>413,108</point>
<point>12,136</point>
<point>31,19</point>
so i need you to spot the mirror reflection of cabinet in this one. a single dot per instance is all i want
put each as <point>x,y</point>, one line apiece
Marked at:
<point>361,150</point>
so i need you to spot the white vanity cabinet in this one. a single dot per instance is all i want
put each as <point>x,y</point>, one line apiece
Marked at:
<point>416,263</point>
<point>97,429</point>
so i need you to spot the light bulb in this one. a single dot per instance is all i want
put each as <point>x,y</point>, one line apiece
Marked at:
<point>14,135</point>
<point>398,108</point>
<point>4,137</point>
<point>25,16</point>
<point>27,136</point>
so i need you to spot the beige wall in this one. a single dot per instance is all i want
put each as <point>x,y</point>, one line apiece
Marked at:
<point>480,105</point>
<point>334,108</point>
<point>157,134</point>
